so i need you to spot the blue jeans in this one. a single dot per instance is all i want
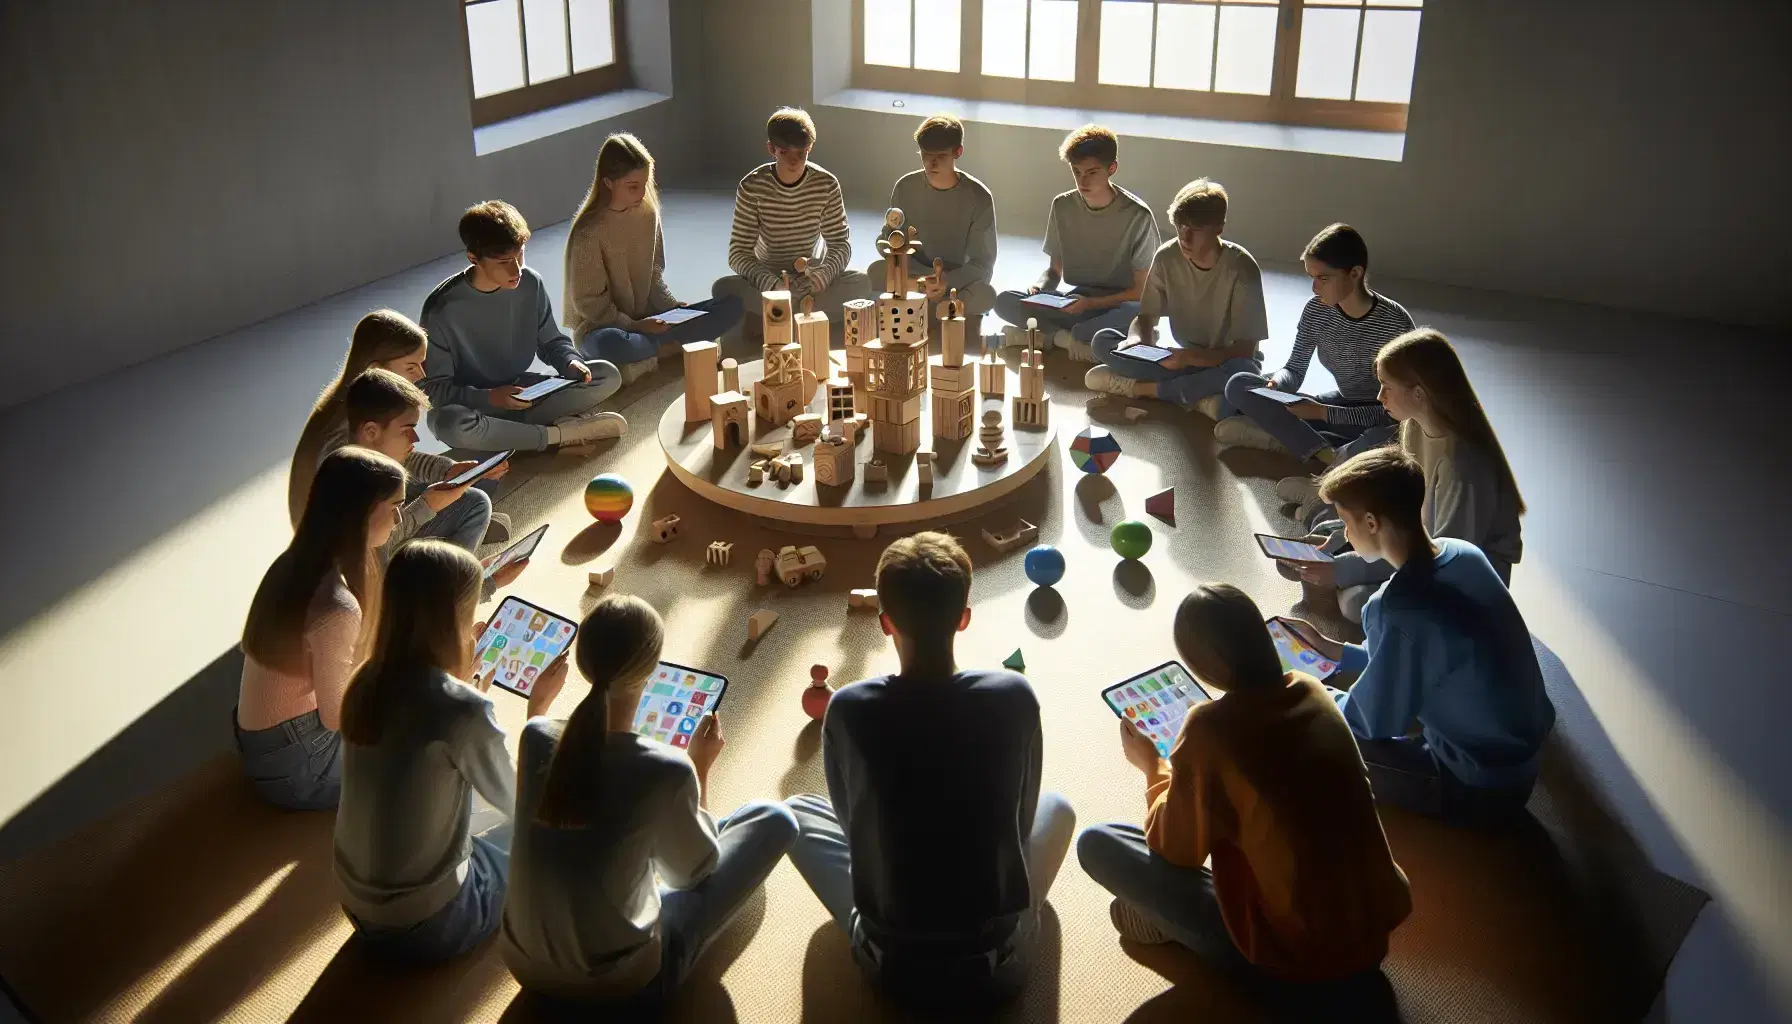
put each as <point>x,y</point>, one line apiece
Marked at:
<point>1012,307</point>
<point>822,857</point>
<point>1305,437</point>
<point>620,346</point>
<point>1183,387</point>
<point>296,764</point>
<point>462,523</point>
<point>752,839</point>
<point>1178,900</point>
<point>493,430</point>
<point>1404,773</point>
<point>468,919</point>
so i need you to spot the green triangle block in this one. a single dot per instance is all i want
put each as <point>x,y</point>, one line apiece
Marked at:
<point>1015,662</point>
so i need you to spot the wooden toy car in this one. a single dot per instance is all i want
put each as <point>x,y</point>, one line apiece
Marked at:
<point>794,564</point>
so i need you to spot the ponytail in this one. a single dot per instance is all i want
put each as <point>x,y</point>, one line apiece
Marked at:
<point>619,643</point>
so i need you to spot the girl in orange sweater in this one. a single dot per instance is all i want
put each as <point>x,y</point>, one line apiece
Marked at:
<point>1267,782</point>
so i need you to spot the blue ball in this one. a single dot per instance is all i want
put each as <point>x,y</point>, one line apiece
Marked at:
<point>1045,565</point>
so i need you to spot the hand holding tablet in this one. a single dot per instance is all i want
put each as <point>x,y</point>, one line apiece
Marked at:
<point>1284,397</point>
<point>678,315</point>
<point>675,702</point>
<point>1156,702</point>
<point>543,388</point>
<point>1051,300</point>
<point>1287,549</point>
<point>1146,353</point>
<point>518,645</point>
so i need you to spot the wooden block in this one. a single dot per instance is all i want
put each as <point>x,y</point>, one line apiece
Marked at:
<point>862,599</point>
<point>759,622</point>
<point>805,429</point>
<point>602,577</point>
<point>877,472</point>
<point>756,474</point>
<point>730,375</point>
<point>795,462</point>
<point>699,379</point>
<point>769,449</point>
<point>1134,414</point>
<point>728,419</point>
<point>924,468</point>
<point>763,564</point>
<point>664,529</point>
<point>1022,532</point>
<point>721,552</point>
<point>948,377</point>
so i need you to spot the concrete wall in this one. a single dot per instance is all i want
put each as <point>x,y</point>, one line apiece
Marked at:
<point>177,170</point>
<point>1625,156</point>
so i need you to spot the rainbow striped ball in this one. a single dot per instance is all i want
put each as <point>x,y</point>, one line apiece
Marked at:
<point>608,498</point>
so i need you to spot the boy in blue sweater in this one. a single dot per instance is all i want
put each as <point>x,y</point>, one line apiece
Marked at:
<point>486,325</point>
<point>936,849</point>
<point>1445,649</point>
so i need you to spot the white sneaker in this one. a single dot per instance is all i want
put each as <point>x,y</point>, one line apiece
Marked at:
<point>1104,379</point>
<point>632,372</point>
<point>1309,508</point>
<point>1079,352</point>
<point>1294,490</point>
<point>498,530</point>
<point>591,426</point>
<point>1133,926</point>
<point>1244,432</point>
<point>1210,406</point>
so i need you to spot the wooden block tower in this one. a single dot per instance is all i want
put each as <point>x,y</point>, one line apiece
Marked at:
<point>992,375</point>
<point>896,361</point>
<point>860,328</point>
<point>812,336</point>
<point>699,379</point>
<point>1032,406</point>
<point>779,395</point>
<point>952,380</point>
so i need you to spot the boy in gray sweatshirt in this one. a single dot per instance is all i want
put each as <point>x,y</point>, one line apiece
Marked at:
<point>486,326</point>
<point>954,217</point>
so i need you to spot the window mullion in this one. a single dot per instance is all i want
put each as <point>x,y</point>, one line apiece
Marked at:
<point>566,10</point>
<point>1213,59</point>
<point>1151,49</point>
<point>970,39</point>
<point>1287,58</point>
<point>1088,41</point>
<point>522,37</point>
<point>1362,19</point>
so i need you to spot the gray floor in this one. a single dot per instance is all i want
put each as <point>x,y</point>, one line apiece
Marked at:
<point>1650,450</point>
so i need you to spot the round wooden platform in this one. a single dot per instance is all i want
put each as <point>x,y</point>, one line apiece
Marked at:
<point>959,485</point>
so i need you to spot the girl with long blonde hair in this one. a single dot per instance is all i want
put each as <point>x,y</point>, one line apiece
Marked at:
<point>304,631</point>
<point>417,742</point>
<point>600,811</point>
<point>384,338</point>
<point>616,269</point>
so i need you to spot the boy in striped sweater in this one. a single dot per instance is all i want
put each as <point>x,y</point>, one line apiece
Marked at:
<point>786,210</point>
<point>1347,324</point>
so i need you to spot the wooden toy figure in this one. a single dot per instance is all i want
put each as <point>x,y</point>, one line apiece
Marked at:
<point>817,694</point>
<point>763,565</point>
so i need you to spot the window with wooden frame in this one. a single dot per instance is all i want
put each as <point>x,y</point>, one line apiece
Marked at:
<point>1328,63</point>
<point>528,55</point>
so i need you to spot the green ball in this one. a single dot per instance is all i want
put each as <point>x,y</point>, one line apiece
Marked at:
<point>1130,538</point>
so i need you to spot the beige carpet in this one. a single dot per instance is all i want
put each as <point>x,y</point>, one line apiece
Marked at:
<point>203,905</point>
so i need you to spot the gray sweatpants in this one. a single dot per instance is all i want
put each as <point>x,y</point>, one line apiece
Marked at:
<point>494,430</point>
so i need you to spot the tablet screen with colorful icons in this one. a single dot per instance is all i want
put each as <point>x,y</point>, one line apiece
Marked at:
<point>675,699</point>
<point>1156,702</point>
<point>518,645</point>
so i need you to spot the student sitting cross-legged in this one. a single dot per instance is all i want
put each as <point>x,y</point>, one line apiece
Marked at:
<point>1211,291</point>
<point>620,877</point>
<point>384,338</point>
<point>937,849</point>
<point>1347,324</point>
<point>786,210</point>
<point>954,217</point>
<point>1266,780</point>
<point>486,325</point>
<point>616,269</point>
<point>1470,492</point>
<point>417,741</point>
<point>1445,649</point>
<point>1100,238</point>
<point>303,635</point>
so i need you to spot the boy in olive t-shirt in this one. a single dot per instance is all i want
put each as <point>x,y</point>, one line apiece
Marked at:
<point>1211,290</point>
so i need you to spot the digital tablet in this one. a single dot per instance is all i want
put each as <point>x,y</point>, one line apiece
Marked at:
<point>1156,702</point>
<point>485,465</point>
<point>518,645</point>
<point>678,315</point>
<point>675,700</point>
<point>516,552</point>
<point>1290,550</point>
<point>1297,655</point>
<point>1051,300</point>
<point>1147,353</point>
<point>1284,397</point>
<point>543,388</point>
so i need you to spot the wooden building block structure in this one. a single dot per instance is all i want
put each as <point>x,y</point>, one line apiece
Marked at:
<point>863,598</point>
<point>1032,406</point>
<point>859,330</point>
<point>760,621</point>
<point>602,577</point>
<point>728,420</point>
<point>699,379</point>
<point>812,337</point>
<point>992,375</point>
<point>721,552</point>
<point>840,400</point>
<point>780,394</point>
<point>896,361</point>
<point>954,393</point>
<point>1022,532</point>
<point>730,375</point>
<point>834,463</point>
<point>665,528</point>
<point>805,428</point>
<point>924,468</point>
